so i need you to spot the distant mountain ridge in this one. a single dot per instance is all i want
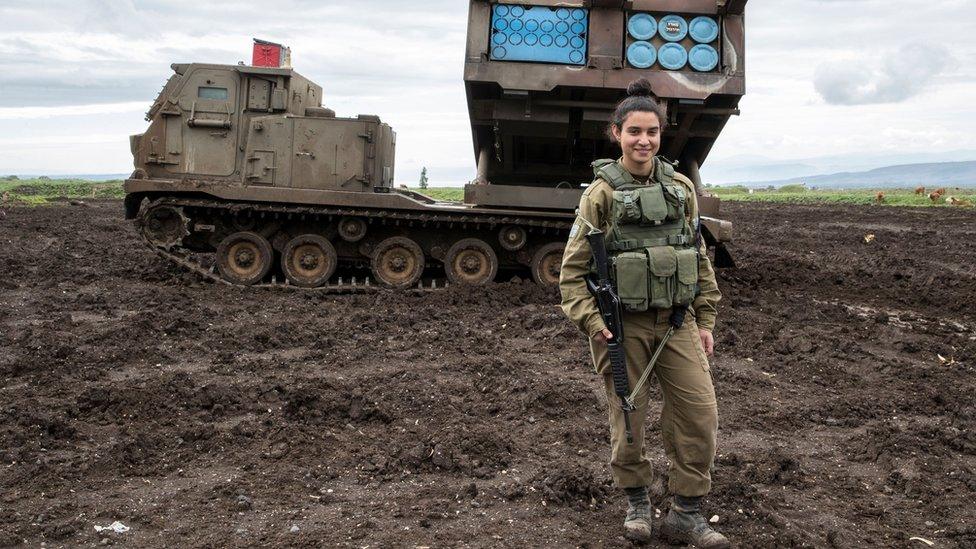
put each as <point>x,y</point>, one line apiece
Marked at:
<point>940,174</point>
<point>758,168</point>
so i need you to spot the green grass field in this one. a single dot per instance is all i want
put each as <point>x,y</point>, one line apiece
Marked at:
<point>801,194</point>
<point>454,194</point>
<point>791,193</point>
<point>42,190</point>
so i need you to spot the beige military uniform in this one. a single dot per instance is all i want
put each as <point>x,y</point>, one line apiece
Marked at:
<point>689,418</point>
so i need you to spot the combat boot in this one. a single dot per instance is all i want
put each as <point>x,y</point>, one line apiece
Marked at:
<point>685,524</point>
<point>637,524</point>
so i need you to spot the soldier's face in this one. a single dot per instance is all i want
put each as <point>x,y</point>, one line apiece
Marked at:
<point>639,136</point>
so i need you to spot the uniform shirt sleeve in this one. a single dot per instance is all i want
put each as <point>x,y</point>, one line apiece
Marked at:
<point>705,305</point>
<point>577,303</point>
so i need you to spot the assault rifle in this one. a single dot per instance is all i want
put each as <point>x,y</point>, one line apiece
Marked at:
<point>611,311</point>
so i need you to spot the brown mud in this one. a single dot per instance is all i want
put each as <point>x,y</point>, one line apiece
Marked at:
<point>202,416</point>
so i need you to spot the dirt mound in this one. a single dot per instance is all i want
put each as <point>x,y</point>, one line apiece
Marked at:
<point>212,416</point>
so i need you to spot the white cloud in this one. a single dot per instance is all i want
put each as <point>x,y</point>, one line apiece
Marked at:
<point>901,74</point>
<point>855,46</point>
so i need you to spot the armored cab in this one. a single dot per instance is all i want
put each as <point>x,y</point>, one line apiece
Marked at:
<point>257,129</point>
<point>543,77</point>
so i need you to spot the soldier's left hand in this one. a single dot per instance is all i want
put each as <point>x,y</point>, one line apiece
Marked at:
<point>708,342</point>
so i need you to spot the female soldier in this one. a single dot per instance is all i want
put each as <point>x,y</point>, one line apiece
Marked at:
<point>649,215</point>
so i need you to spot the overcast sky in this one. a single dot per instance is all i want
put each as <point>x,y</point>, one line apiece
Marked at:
<point>824,77</point>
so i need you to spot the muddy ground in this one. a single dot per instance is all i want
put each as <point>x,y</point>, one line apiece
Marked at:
<point>204,416</point>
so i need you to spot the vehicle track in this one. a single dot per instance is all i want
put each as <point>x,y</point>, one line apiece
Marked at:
<point>203,214</point>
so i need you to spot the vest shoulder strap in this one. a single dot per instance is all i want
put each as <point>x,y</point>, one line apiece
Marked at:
<point>665,170</point>
<point>611,172</point>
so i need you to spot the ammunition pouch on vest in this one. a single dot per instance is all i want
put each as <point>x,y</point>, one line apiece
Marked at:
<point>652,246</point>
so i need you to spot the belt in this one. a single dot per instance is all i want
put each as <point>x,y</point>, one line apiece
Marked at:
<point>636,243</point>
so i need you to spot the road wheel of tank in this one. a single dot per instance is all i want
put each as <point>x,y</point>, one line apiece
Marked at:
<point>398,262</point>
<point>352,229</point>
<point>309,261</point>
<point>546,263</point>
<point>241,221</point>
<point>512,238</point>
<point>471,261</point>
<point>244,258</point>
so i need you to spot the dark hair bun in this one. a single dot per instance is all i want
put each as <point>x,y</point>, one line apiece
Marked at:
<point>640,88</point>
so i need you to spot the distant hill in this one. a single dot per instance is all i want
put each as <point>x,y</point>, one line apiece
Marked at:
<point>941,174</point>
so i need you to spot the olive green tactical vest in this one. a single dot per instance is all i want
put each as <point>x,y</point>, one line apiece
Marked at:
<point>652,246</point>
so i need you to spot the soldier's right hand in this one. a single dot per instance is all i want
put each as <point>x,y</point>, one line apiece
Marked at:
<point>603,337</point>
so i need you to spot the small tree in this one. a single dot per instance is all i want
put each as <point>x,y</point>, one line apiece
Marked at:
<point>794,188</point>
<point>423,178</point>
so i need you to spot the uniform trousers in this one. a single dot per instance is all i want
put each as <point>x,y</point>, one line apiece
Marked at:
<point>689,417</point>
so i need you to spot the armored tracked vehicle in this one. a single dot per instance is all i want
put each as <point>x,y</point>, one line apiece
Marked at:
<point>244,177</point>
